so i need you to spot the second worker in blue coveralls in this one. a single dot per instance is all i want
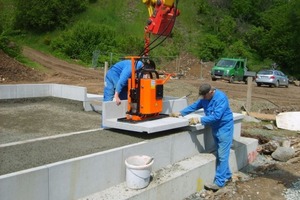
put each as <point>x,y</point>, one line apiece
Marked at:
<point>116,81</point>
<point>219,116</point>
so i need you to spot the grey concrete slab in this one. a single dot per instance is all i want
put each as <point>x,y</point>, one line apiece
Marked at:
<point>171,182</point>
<point>43,90</point>
<point>245,151</point>
<point>189,144</point>
<point>111,113</point>
<point>152,126</point>
<point>33,90</point>
<point>24,91</point>
<point>30,184</point>
<point>77,93</point>
<point>175,181</point>
<point>69,92</point>
<point>8,92</point>
<point>15,91</point>
<point>93,102</point>
<point>77,177</point>
<point>181,179</point>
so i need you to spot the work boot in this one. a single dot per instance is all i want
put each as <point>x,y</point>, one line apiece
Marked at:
<point>228,180</point>
<point>212,187</point>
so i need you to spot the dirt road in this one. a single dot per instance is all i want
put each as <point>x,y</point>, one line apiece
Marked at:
<point>59,71</point>
<point>268,182</point>
<point>65,73</point>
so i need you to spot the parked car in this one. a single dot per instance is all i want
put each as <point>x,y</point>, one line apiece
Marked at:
<point>272,78</point>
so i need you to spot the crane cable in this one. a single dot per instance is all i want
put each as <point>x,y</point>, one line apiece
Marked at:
<point>160,35</point>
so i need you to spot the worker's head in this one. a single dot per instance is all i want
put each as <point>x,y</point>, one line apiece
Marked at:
<point>206,91</point>
<point>149,64</point>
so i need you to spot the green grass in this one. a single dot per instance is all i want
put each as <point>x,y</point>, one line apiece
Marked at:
<point>29,63</point>
<point>127,17</point>
<point>7,10</point>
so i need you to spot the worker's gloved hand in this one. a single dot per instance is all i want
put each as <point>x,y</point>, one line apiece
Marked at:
<point>175,114</point>
<point>194,121</point>
<point>117,99</point>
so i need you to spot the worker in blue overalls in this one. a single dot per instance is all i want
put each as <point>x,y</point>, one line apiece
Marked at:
<point>219,116</point>
<point>116,81</point>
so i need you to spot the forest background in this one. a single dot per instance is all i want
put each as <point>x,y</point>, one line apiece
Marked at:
<point>263,31</point>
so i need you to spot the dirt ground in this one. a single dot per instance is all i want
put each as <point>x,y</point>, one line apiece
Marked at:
<point>267,180</point>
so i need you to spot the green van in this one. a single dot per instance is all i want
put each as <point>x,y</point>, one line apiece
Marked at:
<point>231,69</point>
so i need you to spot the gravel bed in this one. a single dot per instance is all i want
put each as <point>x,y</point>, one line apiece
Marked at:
<point>293,193</point>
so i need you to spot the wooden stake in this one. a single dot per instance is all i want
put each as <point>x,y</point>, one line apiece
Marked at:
<point>249,94</point>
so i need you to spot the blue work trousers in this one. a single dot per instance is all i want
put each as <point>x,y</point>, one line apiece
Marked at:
<point>223,139</point>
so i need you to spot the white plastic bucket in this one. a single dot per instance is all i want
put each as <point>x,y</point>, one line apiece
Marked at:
<point>138,169</point>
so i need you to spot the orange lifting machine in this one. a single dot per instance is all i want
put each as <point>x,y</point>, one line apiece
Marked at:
<point>145,88</point>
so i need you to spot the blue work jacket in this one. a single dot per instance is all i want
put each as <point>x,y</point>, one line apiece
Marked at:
<point>217,110</point>
<point>121,71</point>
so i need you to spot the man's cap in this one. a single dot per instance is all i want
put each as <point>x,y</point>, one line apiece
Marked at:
<point>204,89</point>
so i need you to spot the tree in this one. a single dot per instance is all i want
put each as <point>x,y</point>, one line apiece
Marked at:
<point>242,9</point>
<point>277,41</point>
<point>227,29</point>
<point>294,44</point>
<point>210,47</point>
<point>238,50</point>
<point>46,15</point>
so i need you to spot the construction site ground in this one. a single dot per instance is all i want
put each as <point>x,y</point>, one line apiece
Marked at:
<point>29,119</point>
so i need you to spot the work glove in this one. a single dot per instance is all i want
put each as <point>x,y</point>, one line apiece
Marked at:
<point>175,114</point>
<point>194,121</point>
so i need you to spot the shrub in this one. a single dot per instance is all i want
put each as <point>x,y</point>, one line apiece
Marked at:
<point>81,41</point>
<point>46,15</point>
<point>9,47</point>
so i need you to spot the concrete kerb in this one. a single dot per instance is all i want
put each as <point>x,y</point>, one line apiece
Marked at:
<point>83,176</point>
<point>175,181</point>
<point>77,93</point>
<point>181,179</point>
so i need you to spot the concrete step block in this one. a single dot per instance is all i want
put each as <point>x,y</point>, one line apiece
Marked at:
<point>175,181</point>
<point>93,102</point>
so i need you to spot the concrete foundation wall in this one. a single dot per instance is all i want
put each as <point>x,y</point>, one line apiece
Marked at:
<point>76,178</point>
<point>177,181</point>
<point>25,91</point>
<point>17,91</point>
<point>42,90</point>
<point>80,177</point>
<point>182,179</point>
<point>172,182</point>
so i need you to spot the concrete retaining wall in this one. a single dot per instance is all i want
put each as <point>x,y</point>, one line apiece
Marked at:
<point>76,178</point>
<point>17,91</point>
<point>179,180</point>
